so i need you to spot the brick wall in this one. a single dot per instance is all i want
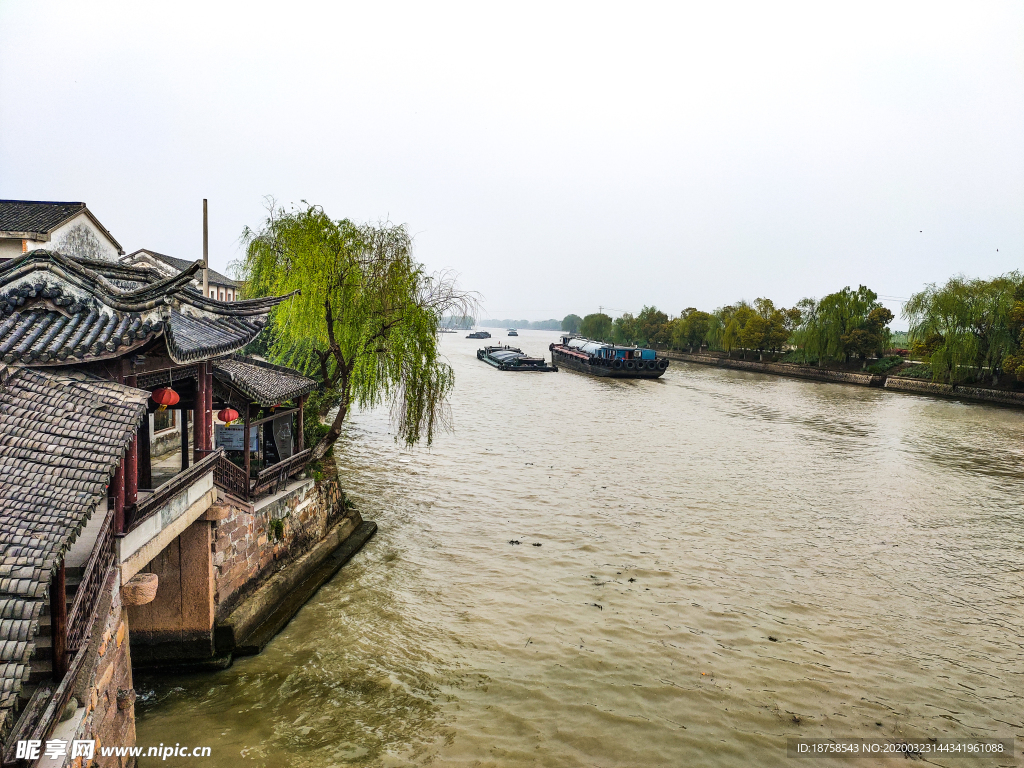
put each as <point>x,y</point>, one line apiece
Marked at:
<point>255,542</point>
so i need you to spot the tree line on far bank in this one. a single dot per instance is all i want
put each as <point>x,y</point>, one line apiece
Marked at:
<point>965,330</point>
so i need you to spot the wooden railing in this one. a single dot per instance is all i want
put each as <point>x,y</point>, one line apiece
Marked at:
<point>149,506</point>
<point>277,474</point>
<point>82,613</point>
<point>47,705</point>
<point>231,477</point>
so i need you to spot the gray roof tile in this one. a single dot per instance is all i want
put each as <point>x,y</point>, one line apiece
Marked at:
<point>61,437</point>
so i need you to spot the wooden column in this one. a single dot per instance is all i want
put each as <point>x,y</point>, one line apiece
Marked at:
<point>184,438</point>
<point>131,459</point>
<point>117,494</point>
<point>209,407</point>
<point>145,459</point>
<point>199,415</point>
<point>302,424</point>
<point>245,440</point>
<point>59,622</point>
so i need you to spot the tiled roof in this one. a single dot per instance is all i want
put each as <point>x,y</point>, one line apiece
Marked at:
<point>35,216</point>
<point>178,265</point>
<point>196,338</point>
<point>61,437</point>
<point>266,384</point>
<point>57,310</point>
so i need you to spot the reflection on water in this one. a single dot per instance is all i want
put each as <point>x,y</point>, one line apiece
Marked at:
<point>726,560</point>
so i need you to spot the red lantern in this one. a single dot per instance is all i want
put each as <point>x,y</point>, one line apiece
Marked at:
<point>164,397</point>
<point>228,415</point>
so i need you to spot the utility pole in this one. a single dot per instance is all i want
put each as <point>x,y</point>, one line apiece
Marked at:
<point>206,253</point>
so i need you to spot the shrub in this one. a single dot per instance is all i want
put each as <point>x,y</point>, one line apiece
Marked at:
<point>886,364</point>
<point>313,432</point>
<point>917,372</point>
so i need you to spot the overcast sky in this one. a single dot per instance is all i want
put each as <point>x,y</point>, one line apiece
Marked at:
<point>558,156</point>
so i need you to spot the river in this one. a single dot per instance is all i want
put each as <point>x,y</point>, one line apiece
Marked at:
<point>707,564</point>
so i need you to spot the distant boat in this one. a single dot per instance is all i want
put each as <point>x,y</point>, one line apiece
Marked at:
<point>512,359</point>
<point>611,360</point>
<point>479,335</point>
<point>513,332</point>
<point>448,330</point>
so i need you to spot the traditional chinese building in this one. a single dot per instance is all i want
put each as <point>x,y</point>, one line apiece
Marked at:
<point>111,552</point>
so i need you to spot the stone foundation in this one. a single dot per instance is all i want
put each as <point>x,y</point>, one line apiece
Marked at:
<point>223,558</point>
<point>256,541</point>
<point>106,711</point>
<point>898,383</point>
<point>784,369</point>
<point>922,387</point>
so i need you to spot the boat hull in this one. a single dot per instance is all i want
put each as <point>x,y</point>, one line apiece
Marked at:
<point>563,360</point>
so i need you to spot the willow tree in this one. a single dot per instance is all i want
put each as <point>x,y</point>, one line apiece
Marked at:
<point>842,324</point>
<point>597,326</point>
<point>366,320</point>
<point>966,325</point>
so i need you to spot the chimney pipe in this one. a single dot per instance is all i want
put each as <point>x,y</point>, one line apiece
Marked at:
<point>206,253</point>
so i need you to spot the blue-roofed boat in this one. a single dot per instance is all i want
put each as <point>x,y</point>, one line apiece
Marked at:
<point>512,359</point>
<point>610,360</point>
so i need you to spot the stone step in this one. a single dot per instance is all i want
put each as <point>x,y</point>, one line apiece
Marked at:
<point>44,647</point>
<point>41,669</point>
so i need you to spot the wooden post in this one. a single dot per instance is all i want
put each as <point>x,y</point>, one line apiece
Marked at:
<point>131,459</point>
<point>245,449</point>
<point>59,622</point>
<point>184,438</point>
<point>145,460</point>
<point>117,493</point>
<point>199,415</point>
<point>302,424</point>
<point>209,407</point>
<point>206,254</point>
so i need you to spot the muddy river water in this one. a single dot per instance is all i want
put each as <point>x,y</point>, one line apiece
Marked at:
<point>706,565</point>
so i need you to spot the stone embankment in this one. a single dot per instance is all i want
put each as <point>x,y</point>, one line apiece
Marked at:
<point>898,383</point>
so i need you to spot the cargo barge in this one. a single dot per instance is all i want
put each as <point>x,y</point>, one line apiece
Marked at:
<point>512,359</point>
<point>608,360</point>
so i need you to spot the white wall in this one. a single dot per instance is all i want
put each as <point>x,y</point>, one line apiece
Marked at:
<point>11,249</point>
<point>80,237</point>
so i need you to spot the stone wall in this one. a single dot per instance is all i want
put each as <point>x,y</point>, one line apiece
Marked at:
<point>104,687</point>
<point>898,383</point>
<point>923,387</point>
<point>221,559</point>
<point>253,542</point>
<point>784,369</point>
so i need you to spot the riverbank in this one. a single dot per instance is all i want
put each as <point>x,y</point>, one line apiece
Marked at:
<point>764,560</point>
<point>863,379</point>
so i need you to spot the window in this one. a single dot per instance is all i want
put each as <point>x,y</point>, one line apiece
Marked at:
<point>230,296</point>
<point>213,293</point>
<point>163,420</point>
<point>222,295</point>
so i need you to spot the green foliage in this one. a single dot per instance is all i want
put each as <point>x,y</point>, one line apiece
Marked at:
<point>536,325</point>
<point>313,432</point>
<point>571,323</point>
<point>275,528</point>
<point>597,326</point>
<point>886,364</point>
<point>843,324</point>
<point>458,322</point>
<point>768,328</point>
<point>649,328</point>
<point>967,325</point>
<point>690,329</point>
<point>367,318</point>
<point>917,372</point>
